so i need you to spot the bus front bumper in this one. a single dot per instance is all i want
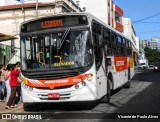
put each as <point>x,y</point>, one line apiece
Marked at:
<point>83,93</point>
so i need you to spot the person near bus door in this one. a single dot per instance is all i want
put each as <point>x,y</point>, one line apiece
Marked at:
<point>7,80</point>
<point>14,86</point>
<point>19,96</point>
<point>0,86</point>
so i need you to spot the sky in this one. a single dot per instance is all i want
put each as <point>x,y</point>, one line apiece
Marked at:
<point>146,10</point>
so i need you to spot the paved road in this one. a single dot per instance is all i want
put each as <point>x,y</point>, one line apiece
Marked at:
<point>142,97</point>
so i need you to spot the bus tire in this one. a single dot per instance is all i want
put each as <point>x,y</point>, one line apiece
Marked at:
<point>128,83</point>
<point>106,98</point>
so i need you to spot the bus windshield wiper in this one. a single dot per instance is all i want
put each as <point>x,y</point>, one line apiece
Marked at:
<point>63,38</point>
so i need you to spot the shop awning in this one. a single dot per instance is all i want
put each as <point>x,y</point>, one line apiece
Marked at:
<point>5,37</point>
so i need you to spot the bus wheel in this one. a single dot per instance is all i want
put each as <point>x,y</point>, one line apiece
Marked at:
<point>106,98</point>
<point>128,83</point>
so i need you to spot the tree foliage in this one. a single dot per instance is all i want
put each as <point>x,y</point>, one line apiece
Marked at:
<point>153,55</point>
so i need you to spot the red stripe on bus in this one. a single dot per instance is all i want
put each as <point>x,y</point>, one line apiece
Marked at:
<point>57,82</point>
<point>121,63</point>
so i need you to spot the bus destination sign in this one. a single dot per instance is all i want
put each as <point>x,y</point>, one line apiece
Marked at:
<point>54,22</point>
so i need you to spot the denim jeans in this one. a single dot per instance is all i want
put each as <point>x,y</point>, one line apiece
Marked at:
<point>8,90</point>
<point>3,85</point>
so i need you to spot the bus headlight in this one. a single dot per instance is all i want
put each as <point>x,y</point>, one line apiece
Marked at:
<point>31,88</point>
<point>76,86</point>
<point>83,83</point>
<point>89,78</point>
<point>27,87</point>
<point>156,67</point>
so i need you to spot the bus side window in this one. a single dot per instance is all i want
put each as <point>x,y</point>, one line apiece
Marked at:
<point>115,44</point>
<point>129,49</point>
<point>112,42</point>
<point>107,40</point>
<point>120,53</point>
<point>124,45</point>
<point>97,50</point>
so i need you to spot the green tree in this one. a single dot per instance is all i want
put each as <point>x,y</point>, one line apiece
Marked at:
<point>153,55</point>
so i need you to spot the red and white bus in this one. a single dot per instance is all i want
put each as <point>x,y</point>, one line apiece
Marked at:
<point>73,57</point>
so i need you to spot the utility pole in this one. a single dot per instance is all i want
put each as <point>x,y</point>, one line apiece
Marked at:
<point>36,8</point>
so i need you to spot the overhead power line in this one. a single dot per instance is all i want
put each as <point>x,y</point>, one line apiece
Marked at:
<point>146,18</point>
<point>149,31</point>
<point>150,22</point>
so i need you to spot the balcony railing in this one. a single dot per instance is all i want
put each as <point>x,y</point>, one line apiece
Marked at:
<point>119,10</point>
<point>119,26</point>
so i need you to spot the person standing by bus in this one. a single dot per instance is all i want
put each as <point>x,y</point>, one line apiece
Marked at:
<point>19,97</point>
<point>14,86</point>
<point>2,68</point>
<point>7,80</point>
<point>0,86</point>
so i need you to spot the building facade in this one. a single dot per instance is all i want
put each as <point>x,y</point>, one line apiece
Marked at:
<point>154,43</point>
<point>137,42</point>
<point>143,44</point>
<point>106,10</point>
<point>11,2</point>
<point>129,31</point>
<point>13,15</point>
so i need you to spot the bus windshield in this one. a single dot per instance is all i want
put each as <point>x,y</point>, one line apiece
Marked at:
<point>66,49</point>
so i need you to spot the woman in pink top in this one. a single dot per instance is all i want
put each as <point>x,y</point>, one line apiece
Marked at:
<point>7,80</point>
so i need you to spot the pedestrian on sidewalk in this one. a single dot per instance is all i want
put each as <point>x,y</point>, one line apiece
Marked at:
<point>14,87</point>
<point>2,68</point>
<point>0,86</point>
<point>7,80</point>
<point>19,97</point>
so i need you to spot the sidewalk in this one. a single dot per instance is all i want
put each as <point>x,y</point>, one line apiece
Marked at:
<point>12,110</point>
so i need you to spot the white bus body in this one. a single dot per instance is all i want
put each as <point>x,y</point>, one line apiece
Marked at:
<point>89,82</point>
